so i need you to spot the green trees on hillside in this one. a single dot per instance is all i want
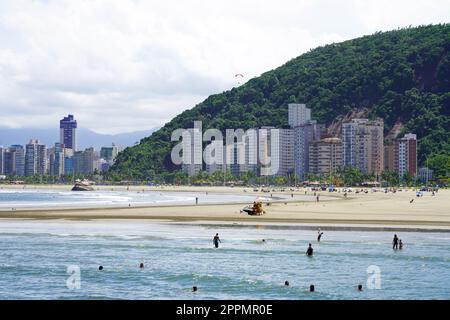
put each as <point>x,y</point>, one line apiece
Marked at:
<point>401,76</point>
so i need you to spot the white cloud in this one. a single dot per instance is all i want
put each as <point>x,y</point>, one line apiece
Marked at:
<point>128,65</point>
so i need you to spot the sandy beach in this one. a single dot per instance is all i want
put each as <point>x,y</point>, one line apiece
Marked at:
<point>376,209</point>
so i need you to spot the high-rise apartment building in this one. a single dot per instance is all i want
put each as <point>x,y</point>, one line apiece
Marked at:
<point>68,129</point>
<point>214,157</point>
<point>2,160</point>
<point>389,157</point>
<point>192,150</point>
<point>325,155</point>
<point>298,114</point>
<point>303,136</point>
<point>35,158</point>
<point>251,151</point>
<point>56,160</point>
<point>286,152</point>
<point>401,155</point>
<point>268,151</point>
<point>14,161</point>
<point>85,161</point>
<point>406,156</point>
<point>362,145</point>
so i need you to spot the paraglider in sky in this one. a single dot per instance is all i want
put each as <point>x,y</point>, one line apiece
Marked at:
<point>239,76</point>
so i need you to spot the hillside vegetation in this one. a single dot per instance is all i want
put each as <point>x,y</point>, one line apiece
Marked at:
<point>402,76</point>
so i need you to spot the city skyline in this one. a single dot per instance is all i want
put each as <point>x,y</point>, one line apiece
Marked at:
<point>157,66</point>
<point>307,147</point>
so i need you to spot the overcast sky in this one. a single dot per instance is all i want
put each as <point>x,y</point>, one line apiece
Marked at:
<point>122,65</point>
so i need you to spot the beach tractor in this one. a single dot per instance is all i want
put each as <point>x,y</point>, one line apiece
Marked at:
<point>255,209</point>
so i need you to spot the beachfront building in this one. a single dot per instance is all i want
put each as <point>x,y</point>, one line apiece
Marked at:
<point>406,155</point>
<point>56,160</point>
<point>251,151</point>
<point>286,153</point>
<point>325,155</point>
<point>35,158</point>
<point>304,135</point>
<point>68,129</point>
<point>2,152</point>
<point>362,145</point>
<point>192,150</point>
<point>304,131</point>
<point>215,160</point>
<point>389,156</point>
<point>85,161</point>
<point>14,161</point>
<point>68,164</point>
<point>401,155</point>
<point>268,151</point>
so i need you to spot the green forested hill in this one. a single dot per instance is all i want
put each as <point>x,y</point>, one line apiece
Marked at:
<point>401,76</point>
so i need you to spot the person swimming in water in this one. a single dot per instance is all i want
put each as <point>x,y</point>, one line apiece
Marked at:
<point>395,242</point>
<point>310,251</point>
<point>319,235</point>
<point>216,240</point>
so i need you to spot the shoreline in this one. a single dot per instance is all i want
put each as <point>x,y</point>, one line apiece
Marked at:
<point>377,210</point>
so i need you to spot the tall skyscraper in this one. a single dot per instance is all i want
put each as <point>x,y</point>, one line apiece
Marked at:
<point>68,129</point>
<point>303,136</point>
<point>325,155</point>
<point>362,145</point>
<point>35,158</point>
<point>298,115</point>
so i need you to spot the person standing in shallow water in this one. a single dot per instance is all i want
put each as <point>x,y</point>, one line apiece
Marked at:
<point>216,240</point>
<point>395,242</point>
<point>309,251</point>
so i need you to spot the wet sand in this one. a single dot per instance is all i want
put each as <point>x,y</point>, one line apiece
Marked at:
<point>376,210</point>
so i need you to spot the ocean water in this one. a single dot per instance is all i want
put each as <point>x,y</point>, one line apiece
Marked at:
<point>13,198</point>
<point>35,256</point>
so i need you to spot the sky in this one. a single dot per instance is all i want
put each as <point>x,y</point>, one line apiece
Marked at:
<point>127,65</point>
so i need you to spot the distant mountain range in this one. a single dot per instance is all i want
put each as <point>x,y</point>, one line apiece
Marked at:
<point>85,138</point>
